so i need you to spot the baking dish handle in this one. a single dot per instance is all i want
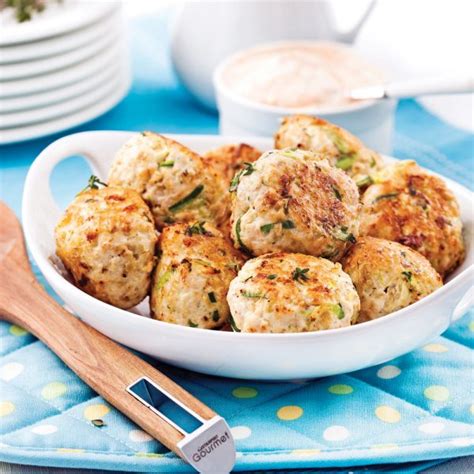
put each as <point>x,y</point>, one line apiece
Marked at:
<point>40,211</point>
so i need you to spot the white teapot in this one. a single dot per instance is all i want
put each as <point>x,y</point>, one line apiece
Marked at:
<point>206,31</point>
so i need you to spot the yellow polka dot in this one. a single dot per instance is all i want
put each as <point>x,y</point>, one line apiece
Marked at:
<point>70,450</point>
<point>340,389</point>
<point>384,447</point>
<point>435,348</point>
<point>245,392</point>
<point>149,455</point>
<point>438,393</point>
<point>305,452</point>
<point>289,413</point>
<point>387,414</point>
<point>6,407</point>
<point>17,330</point>
<point>471,326</point>
<point>53,390</point>
<point>95,412</point>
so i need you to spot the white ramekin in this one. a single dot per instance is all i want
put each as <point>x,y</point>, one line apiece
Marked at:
<point>371,121</point>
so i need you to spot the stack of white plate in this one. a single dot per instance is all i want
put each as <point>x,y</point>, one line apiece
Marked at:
<point>67,65</point>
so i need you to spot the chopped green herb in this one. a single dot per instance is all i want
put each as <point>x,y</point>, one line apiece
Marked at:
<point>197,228</point>
<point>93,183</point>
<point>166,164</point>
<point>292,153</point>
<point>187,199</point>
<point>250,294</point>
<point>384,196</point>
<point>373,162</point>
<point>235,181</point>
<point>212,297</point>
<point>24,10</point>
<point>168,220</point>
<point>339,311</point>
<point>337,193</point>
<point>351,238</point>
<point>367,181</point>
<point>266,228</point>
<point>233,325</point>
<point>215,316</point>
<point>346,236</point>
<point>239,239</point>
<point>300,274</point>
<point>288,224</point>
<point>407,275</point>
<point>98,423</point>
<point>249,169</point>
<point>191,324</point>
<point>163,279</point>
<point>248,278</point>
<point>345,162</point>
<point>339,142</point>
<point>271,277</point>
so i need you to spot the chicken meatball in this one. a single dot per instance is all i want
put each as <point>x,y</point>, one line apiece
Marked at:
<point>388,276</point>
<point>171,179</point>
<point>291,292</point>
<point>294,201</point>
<point>193,275</point>
<point>342,149</point>
<point>408,205</point>
<point>227,161</point>
<point>106,239</point>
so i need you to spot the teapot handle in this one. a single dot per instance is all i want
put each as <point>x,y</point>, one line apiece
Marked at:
<point>349,36</point>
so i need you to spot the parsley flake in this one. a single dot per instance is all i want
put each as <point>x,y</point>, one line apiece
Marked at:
<point>93,183</point>
<point>299,274</point>
<point>197,229</point>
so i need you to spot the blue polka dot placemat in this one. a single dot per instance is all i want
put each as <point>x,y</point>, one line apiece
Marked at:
<point>416,408</point>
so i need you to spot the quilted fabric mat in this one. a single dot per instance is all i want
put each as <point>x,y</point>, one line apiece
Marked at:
<point>415,408</point>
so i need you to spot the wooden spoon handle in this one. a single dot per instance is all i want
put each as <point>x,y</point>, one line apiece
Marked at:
<point>104,365</point>
<point>152,400</point>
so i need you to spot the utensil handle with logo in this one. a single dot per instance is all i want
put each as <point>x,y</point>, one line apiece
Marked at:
<point>148,397</point>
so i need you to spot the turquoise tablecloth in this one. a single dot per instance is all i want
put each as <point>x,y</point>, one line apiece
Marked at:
<point>417,407</point>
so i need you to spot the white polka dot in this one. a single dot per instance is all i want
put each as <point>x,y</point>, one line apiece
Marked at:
<point>10,371</point>
<point>336,433</point>
<point>462,442</point>
<point>388,372</point>
<point>241,432</point>
<point>44,429</point>
<point>139,436</point>
<point>432,428</point>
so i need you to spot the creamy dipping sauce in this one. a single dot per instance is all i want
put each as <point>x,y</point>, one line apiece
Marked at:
<point>299,75</point>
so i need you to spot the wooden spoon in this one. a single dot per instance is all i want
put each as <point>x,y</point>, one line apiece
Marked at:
<point>134,387</point>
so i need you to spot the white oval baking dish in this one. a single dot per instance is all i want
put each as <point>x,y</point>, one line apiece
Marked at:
<point>248,356</point>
